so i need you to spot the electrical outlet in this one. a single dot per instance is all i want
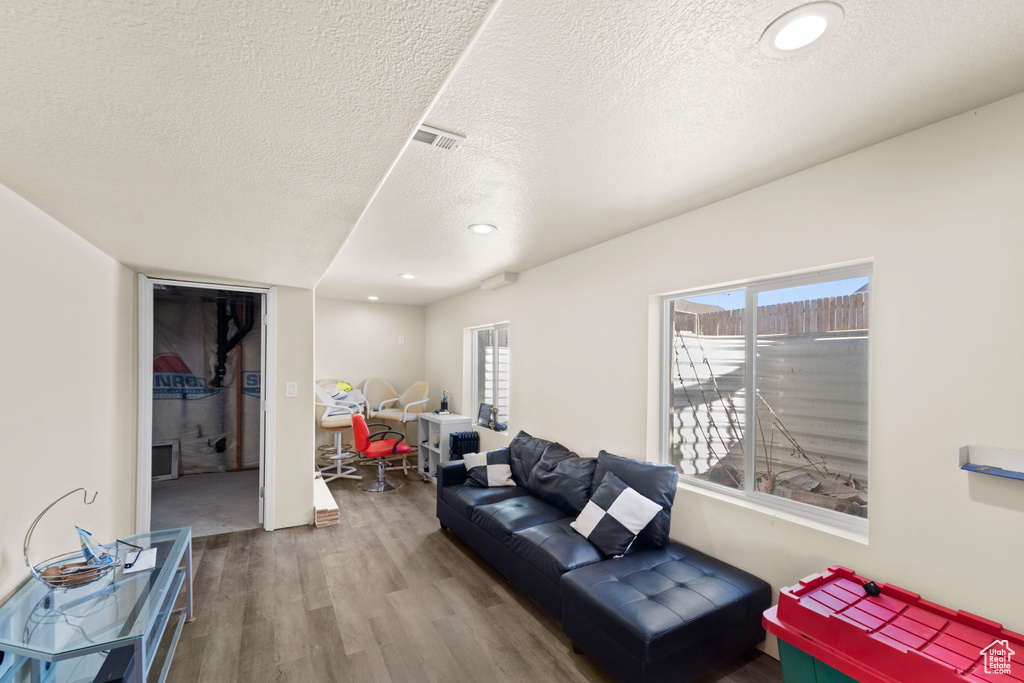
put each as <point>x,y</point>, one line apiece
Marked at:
<point>291,389</point>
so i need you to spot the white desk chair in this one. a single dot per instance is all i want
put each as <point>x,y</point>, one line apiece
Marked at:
<point>407,408</point>
<point>336,418</point>
<point>377,391</point>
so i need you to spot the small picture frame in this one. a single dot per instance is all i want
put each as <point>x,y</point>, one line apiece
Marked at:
<point>484,416</point>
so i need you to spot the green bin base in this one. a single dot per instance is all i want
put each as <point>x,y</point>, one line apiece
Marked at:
<point>800,667</point>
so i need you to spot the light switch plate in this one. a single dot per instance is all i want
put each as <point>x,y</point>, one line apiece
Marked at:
<point>291,389</point>
<point>401,339</point>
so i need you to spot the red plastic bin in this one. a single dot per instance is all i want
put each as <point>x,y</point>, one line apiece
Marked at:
<point>895,637</point>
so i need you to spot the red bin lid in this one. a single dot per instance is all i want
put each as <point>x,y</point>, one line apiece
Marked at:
<point>894,636</point>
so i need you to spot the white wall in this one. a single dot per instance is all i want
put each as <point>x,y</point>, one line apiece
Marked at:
<point>941,213</point>
<point>357,340</point>
<point>296,416</point>
<point>67,395</point>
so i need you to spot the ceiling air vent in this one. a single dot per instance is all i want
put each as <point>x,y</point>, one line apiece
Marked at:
<point>434,137</point>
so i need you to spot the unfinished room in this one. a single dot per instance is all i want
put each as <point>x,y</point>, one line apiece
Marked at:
<point>500,340</point>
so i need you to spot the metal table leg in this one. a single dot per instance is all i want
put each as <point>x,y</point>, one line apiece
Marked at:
<point>188,582</point>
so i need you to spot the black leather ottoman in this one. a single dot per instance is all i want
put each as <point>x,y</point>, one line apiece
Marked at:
<point>662,615</point>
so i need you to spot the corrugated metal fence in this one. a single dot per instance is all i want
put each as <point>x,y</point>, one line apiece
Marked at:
<point>812,369</point>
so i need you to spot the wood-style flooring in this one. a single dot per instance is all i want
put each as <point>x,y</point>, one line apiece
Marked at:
<point>385,596</point>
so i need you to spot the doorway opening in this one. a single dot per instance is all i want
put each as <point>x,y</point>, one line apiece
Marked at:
<point>205,409</point>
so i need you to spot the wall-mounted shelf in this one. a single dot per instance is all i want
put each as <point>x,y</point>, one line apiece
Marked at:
<point>999,462</point>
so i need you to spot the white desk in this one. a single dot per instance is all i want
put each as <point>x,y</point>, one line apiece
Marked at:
<point>434,447</point>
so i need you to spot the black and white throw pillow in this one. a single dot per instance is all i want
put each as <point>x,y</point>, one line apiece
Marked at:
<point>614,515</point>
<point>651,480</point>
<point>489,469</point>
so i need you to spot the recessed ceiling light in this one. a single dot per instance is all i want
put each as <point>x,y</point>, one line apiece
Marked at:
<point>482,228</point>
<point>801,29</point>
<point>407,276</point>
<point>373,298</point>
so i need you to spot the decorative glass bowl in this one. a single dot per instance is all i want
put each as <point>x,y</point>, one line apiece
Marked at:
<point>71,570</point>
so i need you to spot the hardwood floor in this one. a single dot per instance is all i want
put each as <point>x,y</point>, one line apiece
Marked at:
<point>385,596</point>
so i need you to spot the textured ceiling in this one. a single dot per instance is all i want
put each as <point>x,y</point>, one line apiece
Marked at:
<point>236,140</point>
<point>244,140</point>
<point>587,120</point>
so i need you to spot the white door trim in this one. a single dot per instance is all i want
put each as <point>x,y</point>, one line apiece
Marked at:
<point>269,396</point>
<point>144,481</point>
<point>268,374</point>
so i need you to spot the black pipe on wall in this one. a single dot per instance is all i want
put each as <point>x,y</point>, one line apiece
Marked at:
<point>243,320</point>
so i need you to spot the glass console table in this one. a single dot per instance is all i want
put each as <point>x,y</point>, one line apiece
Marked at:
<point>105,630</point>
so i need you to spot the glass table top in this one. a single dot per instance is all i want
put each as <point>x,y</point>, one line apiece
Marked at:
<point>54,624</point>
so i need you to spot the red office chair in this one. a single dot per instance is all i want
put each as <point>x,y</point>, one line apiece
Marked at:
<point>367,447</point>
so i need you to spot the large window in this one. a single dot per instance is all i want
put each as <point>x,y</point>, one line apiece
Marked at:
<point>768,392</point>
<point>490,369</point>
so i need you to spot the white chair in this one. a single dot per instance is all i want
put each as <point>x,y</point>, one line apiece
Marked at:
<point>406,408</point>
<point>377,391</point>
<point>336,418</point>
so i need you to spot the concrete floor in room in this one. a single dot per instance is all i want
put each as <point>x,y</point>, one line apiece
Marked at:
<point>215,503</point>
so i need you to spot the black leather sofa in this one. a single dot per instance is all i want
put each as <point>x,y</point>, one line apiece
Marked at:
<point>661,612</point>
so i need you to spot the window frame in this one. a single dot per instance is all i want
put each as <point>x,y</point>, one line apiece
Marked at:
<point>751,289</point>
<point>475,363</point>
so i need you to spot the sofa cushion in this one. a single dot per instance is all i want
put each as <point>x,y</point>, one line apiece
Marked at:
<point>651,480</point>
<point>563,479</point>
<point>554,548</point>
<point>488,470</point>
<point>526,450</point>
<point>504,518</point>
<point>450,474</point>
<point>464,498</point>
<point>656,602</point>
<point>614,516</point>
